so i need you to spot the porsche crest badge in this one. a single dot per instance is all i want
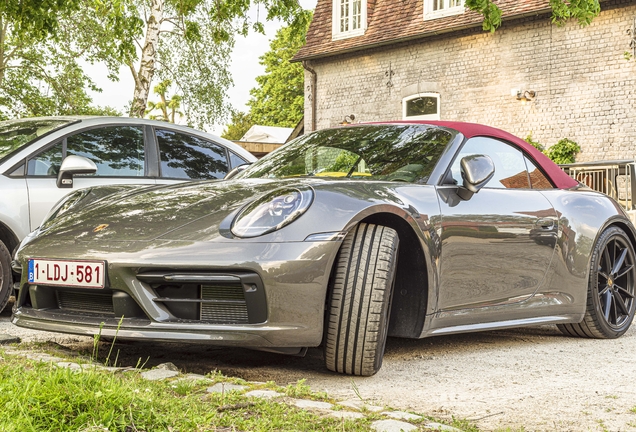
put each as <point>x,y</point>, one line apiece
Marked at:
<point>99,228</point>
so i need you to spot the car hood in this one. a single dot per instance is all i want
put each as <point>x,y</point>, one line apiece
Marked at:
<point>151,213</point>
<point>194,211</point>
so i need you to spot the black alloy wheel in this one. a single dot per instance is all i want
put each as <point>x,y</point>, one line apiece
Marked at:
<point>611,288</point>
<point>615,282</point>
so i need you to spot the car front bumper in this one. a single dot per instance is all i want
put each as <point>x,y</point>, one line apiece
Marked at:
<point>284,306</point>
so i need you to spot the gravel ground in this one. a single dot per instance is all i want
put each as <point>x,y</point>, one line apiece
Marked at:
<point>530,378</point>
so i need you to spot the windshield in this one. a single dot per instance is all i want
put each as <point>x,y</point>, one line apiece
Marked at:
<point>15,134</point>
<point>405,153</point>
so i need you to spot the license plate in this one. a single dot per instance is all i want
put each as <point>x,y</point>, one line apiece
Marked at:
<point>84,274</point>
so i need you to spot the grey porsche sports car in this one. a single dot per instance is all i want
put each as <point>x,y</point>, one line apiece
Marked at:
<point>341,237</point>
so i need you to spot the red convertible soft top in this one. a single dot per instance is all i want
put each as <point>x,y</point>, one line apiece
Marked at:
<point>559,178</point>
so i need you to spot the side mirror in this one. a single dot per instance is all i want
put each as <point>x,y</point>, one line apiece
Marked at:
<point>234,171</point>
<point>477,170</point>
<point>71,166</point>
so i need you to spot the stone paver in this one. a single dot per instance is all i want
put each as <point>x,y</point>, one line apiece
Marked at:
<point>109,368</point>
<point>71,365</point>
<point>311,404</point>
<point>441,427</point>
<point>225,388</point>
<point>44,358</point>
<point>8,339</point>
<point>392,426</point>
<point>401,415</point>
<point>267,394</point>
<point>360,405</point>
<point>346,414</point>
<point>168,366</point>
<point>193,377</point>
<point>158,374</point>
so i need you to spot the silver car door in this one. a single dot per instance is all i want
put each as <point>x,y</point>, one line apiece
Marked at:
<point>118,152</point>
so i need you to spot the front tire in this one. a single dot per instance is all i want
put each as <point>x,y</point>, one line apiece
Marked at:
<point>360,304</point>
<point>6,277</point>
<point>611,288</point>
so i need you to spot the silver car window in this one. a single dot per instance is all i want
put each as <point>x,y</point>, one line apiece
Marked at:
<point>186,156</point>
<point>15,134</point>
<point>118,151</point>
<point>47,163</point>
<point>510,167</point>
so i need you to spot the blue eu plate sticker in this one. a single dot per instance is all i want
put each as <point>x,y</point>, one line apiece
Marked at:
<point>31,274</point>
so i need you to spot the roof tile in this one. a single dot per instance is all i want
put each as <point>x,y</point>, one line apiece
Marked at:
<point>390,21</point>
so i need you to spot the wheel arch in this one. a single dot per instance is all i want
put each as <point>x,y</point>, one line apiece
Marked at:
<point>625,226</point>
<point>616,221</point>
<point>412,287</point>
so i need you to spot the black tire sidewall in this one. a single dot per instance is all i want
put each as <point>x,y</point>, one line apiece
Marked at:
<point>384,321</point>
<point>340,333</point>
<point>6,286</point>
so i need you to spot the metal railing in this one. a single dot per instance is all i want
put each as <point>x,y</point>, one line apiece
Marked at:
<point>614,178</point>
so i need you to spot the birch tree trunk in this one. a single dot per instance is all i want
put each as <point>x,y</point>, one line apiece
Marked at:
<point>143,77</point>
<point>3,34</point>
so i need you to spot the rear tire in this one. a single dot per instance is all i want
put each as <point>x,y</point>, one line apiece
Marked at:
<point>611,289</point>
<point>6,277</point>
<point>361,291</point>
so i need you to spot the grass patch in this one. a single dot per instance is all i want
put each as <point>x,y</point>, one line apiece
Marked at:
<point>37,396</point>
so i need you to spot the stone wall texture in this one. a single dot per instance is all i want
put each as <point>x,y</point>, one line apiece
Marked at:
<point>584,86</point>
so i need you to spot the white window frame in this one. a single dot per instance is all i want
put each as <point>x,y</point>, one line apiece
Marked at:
<point>447,10</point>
<point>336,16</point>
<point>435,116</point>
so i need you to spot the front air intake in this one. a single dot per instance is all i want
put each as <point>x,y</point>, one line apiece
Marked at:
<point>223,304</point>
<point>209,297</point>
<point>85,302</point>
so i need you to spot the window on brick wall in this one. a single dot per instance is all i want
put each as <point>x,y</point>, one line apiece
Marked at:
<point>349,18</point>
<point>421,106</point>
<point>441,8</point>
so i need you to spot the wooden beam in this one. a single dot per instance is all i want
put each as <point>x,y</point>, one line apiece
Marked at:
<point>258,149</point>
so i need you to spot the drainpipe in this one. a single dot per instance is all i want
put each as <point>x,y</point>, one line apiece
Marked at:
<point>312,95</point>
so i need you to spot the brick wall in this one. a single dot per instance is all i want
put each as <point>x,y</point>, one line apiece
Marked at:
<point>585,88</point>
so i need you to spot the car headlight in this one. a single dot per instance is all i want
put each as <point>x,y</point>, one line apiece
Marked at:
<point>62,207</point>
<point>272,211</point>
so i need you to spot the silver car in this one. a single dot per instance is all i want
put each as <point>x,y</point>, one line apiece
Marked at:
<point>43,159</point>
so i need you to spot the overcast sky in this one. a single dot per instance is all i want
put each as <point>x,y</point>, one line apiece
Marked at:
<point>244,68</point>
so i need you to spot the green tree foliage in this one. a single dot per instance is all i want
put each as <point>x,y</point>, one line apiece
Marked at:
<point>241,123</point>
<point>40,73</point>
<point>584,11</point>
<point>563,152</point>
<point>534,143</point>
<point>168,108</point>
<point>279,99</point>
<point>35,19</point>
<point>189,42</point>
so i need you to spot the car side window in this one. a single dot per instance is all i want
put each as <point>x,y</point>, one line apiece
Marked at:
<point>538,180</point>
<point>186,156</point>
<point>510,166</point>
<point>47,163</point>
<point>236,160</point>
<point>118,151</point>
